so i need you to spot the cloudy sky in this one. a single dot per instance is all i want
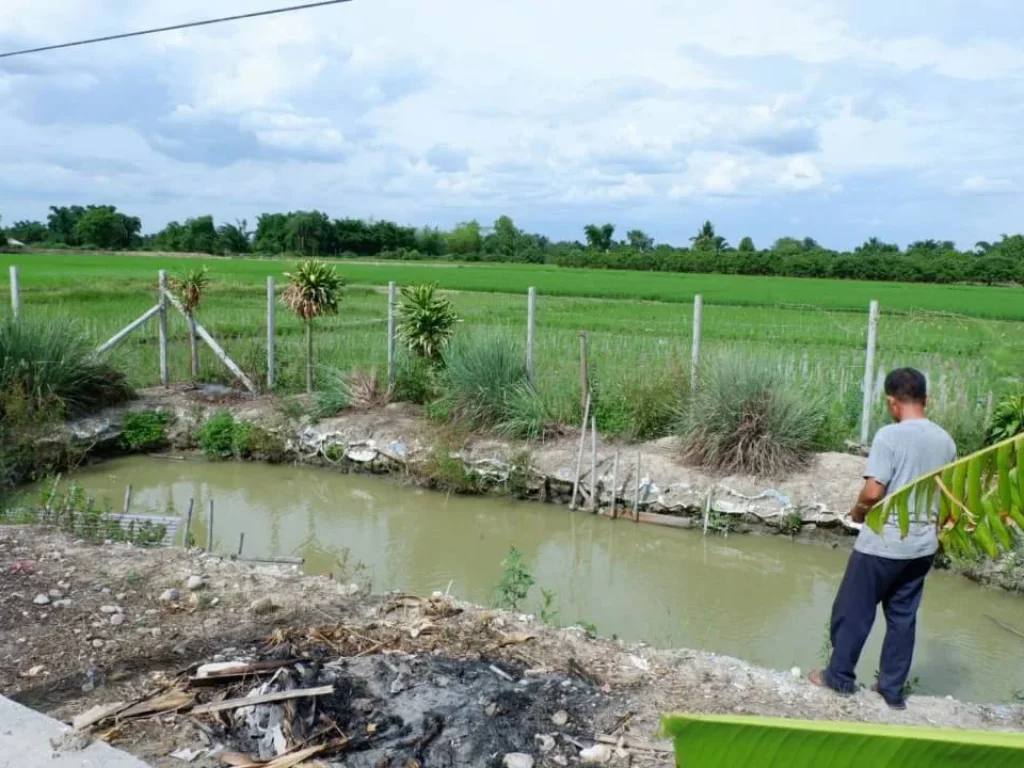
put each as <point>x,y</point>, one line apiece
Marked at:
<point>838,119</point>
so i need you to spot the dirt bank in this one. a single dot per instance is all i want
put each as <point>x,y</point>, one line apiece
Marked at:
<point>84,625</point>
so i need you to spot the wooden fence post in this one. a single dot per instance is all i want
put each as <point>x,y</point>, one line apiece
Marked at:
<point>271,331</point>
<point>209,528</point>
<point>391,333</point>
<point>698,326</point>
<point>165,377</point>
<point>584,371</point>
<point>531,319</point>
<point>869,374</point>
<point>15,293</point>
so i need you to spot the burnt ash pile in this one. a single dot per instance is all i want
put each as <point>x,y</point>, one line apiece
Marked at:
<point>399,711</point>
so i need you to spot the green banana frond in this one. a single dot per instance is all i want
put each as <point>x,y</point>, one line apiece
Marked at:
<point>977,502</point>
<point>726,741</point>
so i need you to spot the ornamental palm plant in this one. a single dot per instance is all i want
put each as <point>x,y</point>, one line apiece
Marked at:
<point>189,287</point>
<point>425,321</point>
<point>314,289</point>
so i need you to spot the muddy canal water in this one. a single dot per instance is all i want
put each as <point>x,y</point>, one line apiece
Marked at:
<point>758,598</point>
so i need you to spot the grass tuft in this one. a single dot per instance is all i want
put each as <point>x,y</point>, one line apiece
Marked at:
<point>744,417</point>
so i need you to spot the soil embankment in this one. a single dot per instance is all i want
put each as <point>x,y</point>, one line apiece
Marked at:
<point>434,680</point>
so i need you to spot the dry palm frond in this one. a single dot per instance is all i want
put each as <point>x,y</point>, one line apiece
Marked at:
<point>189,287</point>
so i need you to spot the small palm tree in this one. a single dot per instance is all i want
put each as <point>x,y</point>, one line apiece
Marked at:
<point>425,321</point>
<point>189,287</point>
<point>706,237</point>
<point>314,289</point>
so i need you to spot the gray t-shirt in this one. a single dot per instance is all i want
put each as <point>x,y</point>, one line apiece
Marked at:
<point>900,454</point>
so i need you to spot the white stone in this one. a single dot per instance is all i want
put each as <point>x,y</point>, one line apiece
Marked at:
<point>109,609</point>
<point>42,599</point>
<point>517,760</point>
<point>560,718</point>
<point>170,596</point>
<point>117,619</point>
<point>599,754</point>
<point>195,582</point>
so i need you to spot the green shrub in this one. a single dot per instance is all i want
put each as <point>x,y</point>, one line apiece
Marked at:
<point>334,394</point>
<point>484,384</point>
<point>643,405</point>
<point>53,365</point>
<point>745,417</point>
<point>515,582</point>
<point>216,438</point>
<point>414,380</point>
<point>1007,419</point>
<point>145,430</point>
<point>425,321</point>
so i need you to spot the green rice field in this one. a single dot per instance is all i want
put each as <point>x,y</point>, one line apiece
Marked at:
<point>969,339</point>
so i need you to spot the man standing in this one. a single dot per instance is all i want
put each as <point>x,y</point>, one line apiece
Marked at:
<point>888,568</point>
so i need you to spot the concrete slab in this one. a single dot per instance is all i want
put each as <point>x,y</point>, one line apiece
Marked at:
<point>25,742</point>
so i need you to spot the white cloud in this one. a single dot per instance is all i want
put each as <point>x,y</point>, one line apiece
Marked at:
<point>984,185</point>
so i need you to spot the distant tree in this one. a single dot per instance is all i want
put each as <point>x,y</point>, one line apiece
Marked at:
<point>270,233</point>
<point>708,240</point>
<point>506,241</point>
<point>465,239</point>
<point>747,245</point>
<point>875,247</point>
<point>639,240</point>
<point>27,232</point>
<point>599,238</point>
<point>234,238</point>
<point>3,235</point>
<point>430,241</point>
<point>102,226</point>
<point>353,236</point>
<point>310,233</point>
<point>62,223</point>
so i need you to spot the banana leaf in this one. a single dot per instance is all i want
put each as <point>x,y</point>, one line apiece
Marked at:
<point>726,741</point>
<point>977,502</point>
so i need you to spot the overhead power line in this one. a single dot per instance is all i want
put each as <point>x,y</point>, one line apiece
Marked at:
<point>189,25</point>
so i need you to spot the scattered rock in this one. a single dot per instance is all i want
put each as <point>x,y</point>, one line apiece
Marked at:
<point>65,585</point>
<point>42,599</point>
<point>121,596</point>
<point>195,582</point>
<point>62,603</point>
<point>117,619</point>
<point>517,760</point>
<point>599,754</point>
<point>170,596</point>
<point>491,710</point>
<point>109,609</point>
<point>263,606</point>
<point>56,594</point>
<point>545,743</point>
<point>97,643</point>
<point>560,718</point>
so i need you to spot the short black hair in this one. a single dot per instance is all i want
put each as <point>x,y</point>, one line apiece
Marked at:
<point>908,385</point>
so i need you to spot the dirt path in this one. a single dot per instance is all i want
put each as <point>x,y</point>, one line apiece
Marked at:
<point>82,625</point>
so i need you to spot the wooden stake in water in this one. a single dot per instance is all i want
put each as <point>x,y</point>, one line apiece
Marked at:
<point>15,293</point>
<point>271,330</point>
<point>579,454</point>
<point>869,374</point>
<point>127,498</point>
<point>595,488</point>
<point>615,485</point>
<point>209,528</point>
<point>707,511</point>
<point>391,333</point>
<point>188,524</point>
<point>241,542</point>
<point>531,319</point>
<point>165,377</point>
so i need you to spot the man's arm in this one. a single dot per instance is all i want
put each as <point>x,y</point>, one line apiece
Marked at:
<point>872,493</point>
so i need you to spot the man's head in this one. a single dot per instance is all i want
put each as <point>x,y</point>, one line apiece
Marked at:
<point>906,392</point>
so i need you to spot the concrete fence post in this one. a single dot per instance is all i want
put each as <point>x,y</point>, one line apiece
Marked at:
<point>869,374</point>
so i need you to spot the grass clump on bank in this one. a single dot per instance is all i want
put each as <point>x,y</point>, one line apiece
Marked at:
<point>483,383</point>
<point>745,418</point>
<point>223,437</point>
<point>641,404</point>
<point>145,430</point>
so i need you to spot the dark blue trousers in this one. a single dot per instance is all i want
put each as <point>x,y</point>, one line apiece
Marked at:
<point>869,580</point>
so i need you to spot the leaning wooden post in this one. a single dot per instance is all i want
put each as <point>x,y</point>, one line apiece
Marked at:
<point>531,319</point>
<point>869,374</point>
<point>391,333</point>
<point>209,528</point>
<point>165,377</point>
<point>594,487</point>
<point>241,543</point>
<point>698,326</point>
<point>127,498</point>
<point>584,372</point>
<point>271,330</point>
<point>15,293</point>
<point>579,454</point>
<point>188,524</point>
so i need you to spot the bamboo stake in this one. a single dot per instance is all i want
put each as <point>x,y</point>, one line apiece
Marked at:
<point>127,498</point>
<point>636,491</point>
<point>241,542</point>
<point>188,524</point>
<point>584,372</point>
<point>209,528</point>
<point>595,490</point>
<point>391,333</point>
<point>579,454</point>
<point>707,511</point>
<point>615,485</point>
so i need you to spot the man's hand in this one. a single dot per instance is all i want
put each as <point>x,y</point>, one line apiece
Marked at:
<point>872,493</point>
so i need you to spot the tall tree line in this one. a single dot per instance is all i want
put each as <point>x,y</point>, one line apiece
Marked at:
<point>315,233</point>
